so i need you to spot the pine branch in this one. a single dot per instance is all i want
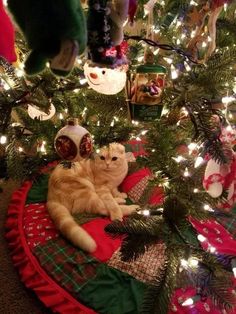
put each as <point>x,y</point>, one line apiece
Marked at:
<point>158,296</point>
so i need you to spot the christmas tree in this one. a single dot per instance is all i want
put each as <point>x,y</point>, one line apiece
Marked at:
<point>179,102</point>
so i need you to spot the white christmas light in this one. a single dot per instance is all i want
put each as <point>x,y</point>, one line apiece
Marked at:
<point>146,212</point>
<point>201,238</point>
<point>19,72</point>
<point>188,302</point>
<point>195,190</point>
<point>168,60</point>
<point>3,139</point>
<point>174,73</point>
<point>192,146</point>
<point>212,249</point>
<point>234,271</point>
<point>184,263</point>
<point>156,51</point>
<point>6,86</point>
<point>193,262</point>
<point>76,90</point>
<point>204,44</point>
<point>79,61</point>
<point>198,162</point>
<point>186,173</point>
<point>179,158</point>
<point>60,116</point>
<point>20,149</point>
<point>227,99</point>
<point>187,66</point>
<point>140,59</point>
<point>192,2</point>
<point>208,208</point>
<point>83,81</point>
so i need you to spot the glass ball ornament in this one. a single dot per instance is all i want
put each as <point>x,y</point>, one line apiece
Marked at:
<point>105,80</point>
<point>73,142</point>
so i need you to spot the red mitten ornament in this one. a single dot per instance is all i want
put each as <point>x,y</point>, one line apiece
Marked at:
<point>7,36</point>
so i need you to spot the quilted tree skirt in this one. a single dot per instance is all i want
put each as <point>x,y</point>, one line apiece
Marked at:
<point>67,280</point>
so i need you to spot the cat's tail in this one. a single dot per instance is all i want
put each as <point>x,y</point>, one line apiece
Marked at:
<point>69,228</point>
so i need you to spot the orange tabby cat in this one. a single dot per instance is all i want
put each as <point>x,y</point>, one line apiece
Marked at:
<point>88,186</point>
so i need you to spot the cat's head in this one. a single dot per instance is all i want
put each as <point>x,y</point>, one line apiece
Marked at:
<point>111,157</point>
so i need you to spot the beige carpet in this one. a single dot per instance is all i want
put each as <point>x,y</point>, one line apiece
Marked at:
<point>14,297</point>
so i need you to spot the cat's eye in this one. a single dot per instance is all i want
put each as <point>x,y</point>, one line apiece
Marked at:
<point>114,158</point>
<point>102,157</point>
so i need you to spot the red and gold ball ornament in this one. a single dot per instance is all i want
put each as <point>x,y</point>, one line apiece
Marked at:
<point>73,142</point>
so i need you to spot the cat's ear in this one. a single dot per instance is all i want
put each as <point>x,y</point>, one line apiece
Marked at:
<point>130,157</point>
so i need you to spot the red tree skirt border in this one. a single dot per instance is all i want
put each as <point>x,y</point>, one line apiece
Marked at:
<point>31,273</point>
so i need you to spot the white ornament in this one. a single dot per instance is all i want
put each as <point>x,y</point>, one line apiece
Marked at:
<point>73,142</point>
<point>105,80</point>
<point>36,113</point>
<point>214,189</point>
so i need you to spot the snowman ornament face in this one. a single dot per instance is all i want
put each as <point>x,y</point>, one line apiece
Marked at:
<point>106,81</point>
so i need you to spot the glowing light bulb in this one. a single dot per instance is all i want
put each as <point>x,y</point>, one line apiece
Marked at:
<point>3,139</point>
<point>19,72</point>
<point>184,263</point>
<point>227,99</point>
<point>195,190</point>
<point>146,212</point>
<point>198,162</point>
<point>201,238</point>
<point>174,73</point>
<point>168,60</point>
<point>6,86</point>
<point>186,173</point>
<point>212,249</point>
<point>140,59</point>
<point>192,146</point>
<point>204,44</point>
<point>208,208</point>
<point>60,116</point>
<point>112,123</point>
<point>234,271</point>
<point>179,158</point>
<point>188,302</point>
<point>83,81</point>
<point>20,149</point>
<point>193,262</point>
<point>76,90</point>
<point>187,66</point>
<point>192,2</point>
<point>156,51</point>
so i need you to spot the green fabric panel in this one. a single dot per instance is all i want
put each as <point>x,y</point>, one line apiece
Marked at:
<point>113,292</point>
<point>39,190</point>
